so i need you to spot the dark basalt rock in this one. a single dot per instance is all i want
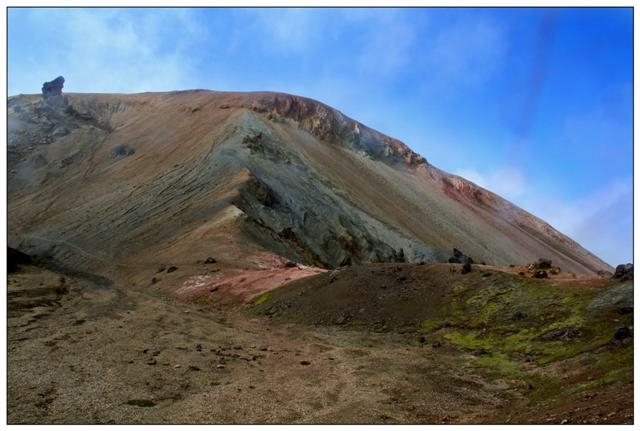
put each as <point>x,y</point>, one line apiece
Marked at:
<point>624,272</point>
<point>460,257</point>
<point>540,274</point>
<point>53,88</point>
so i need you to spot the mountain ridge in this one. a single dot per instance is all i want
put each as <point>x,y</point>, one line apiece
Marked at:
<point>307,183</point>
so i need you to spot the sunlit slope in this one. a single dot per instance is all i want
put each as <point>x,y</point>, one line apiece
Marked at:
<point>155,177</point>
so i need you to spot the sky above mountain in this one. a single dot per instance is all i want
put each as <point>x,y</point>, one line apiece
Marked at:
<point>534,104</point>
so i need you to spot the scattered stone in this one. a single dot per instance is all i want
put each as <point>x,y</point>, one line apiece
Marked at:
<point>622,332</point>
<point>290,264</point>
<point>154,280</point>
<point>152,361</point>
<point>305,363</point>
<point>436,344</point>
<point>198,347</point>
<point>624,272</point>
<point>540,273</point>
<point>177,366</point>
<point>171,269</point>
<point>237,347</point>
<point>220,366</point>
<point>210,260</point>
<point>466,268</point>
<point>193,368</point>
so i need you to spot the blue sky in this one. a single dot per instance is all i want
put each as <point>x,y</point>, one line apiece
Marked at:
<point>534,104</point>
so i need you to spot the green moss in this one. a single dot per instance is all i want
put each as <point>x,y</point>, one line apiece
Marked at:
<point>262,298</point>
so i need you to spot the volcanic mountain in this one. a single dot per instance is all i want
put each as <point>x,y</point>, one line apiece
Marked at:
<point>254,180</point>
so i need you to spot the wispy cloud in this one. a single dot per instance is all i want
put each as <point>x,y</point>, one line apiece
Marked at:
<point>113,50</point>
<point>508,182</point>
<point>601,221</point>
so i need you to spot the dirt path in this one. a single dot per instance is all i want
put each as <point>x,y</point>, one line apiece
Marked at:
<point>113,356</point>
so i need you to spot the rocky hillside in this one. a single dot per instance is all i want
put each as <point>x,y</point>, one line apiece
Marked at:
<point>254,179</point>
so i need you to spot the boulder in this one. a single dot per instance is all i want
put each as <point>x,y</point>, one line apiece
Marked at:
<point>123,150</point>
<point>624,272</point>
<point>459,257</point>
<point>466,268</point>
<point>53,88</point>
<point>622,333</point>
<point>540,273</point>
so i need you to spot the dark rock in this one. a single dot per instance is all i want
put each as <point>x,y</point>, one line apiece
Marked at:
<point>543,263</point>
<point>622,332</point>
<point>154,280</point>
<point>624,272</point>
<point>436,344</point>
<point>16,258</point>
<point>172,268</point>
<point>210,260</point>
<point>519,315</point>
<point>625,309</point>
<point>290,264</point>
<point>162,268</point>
<point>305,363</point>
<point>122,150</point>
<point>152,361</point>
<point>198,347</point>
<point>53,88</point>
<point>141,403</point>
<point>422,339</point>
<point>193,368</point>
<point>459,257</point>
<point>480,352</point>
<point>466,268</point>
<point>540,273</point>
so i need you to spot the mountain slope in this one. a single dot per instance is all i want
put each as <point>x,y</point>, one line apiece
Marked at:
<point>250,178</point>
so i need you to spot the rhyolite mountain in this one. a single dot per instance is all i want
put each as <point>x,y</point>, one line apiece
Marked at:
<point>253,179</point>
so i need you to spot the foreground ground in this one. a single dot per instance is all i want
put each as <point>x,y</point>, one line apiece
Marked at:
<point>375,344</point>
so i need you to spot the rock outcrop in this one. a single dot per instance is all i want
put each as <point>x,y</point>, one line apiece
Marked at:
<point>53,88</point>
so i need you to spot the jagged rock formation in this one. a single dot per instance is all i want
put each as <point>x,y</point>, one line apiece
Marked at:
<point>53,88</point>
<point>242,176</point>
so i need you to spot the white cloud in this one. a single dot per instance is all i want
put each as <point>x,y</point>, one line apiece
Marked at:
<point>112,50</point>
<point>602,221</point>
<point>508,182</point>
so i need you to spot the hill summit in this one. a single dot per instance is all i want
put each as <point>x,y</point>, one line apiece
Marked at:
<point>254,179</point>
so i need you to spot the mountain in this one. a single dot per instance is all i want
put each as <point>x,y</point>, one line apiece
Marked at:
<point>253,179</point>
